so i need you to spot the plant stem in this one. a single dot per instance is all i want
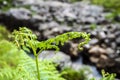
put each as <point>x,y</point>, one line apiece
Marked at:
<point>37,66</point>
<point>36,60</point>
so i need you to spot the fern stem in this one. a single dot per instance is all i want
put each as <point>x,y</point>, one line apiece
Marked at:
<point>37,66</point>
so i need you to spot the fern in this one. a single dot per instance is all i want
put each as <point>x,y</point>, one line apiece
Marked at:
<point>8,60</point>
<point>3,33</point>
<point>24,67</point>
<point>25,38</point>
<point>107,76</point>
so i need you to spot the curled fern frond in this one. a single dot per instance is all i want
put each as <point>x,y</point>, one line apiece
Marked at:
<point>25,37</point>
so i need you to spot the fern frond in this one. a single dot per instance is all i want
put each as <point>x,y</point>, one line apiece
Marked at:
<point>25,37</point>
<point>61,39</point>
<point>24,67</point>
<point>27,68</point>
<point>8,60</point>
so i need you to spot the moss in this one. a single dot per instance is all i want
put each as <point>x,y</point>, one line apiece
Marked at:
<point>4,33</point>
<point>71,74</point>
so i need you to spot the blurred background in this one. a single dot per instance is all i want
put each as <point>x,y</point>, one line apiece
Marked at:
<point>49,18</point>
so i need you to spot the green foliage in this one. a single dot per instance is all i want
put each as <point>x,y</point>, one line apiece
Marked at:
<point>107,76</point>
<point>24,38</point>
<point>111,5</point>
<point>71,74</point>
<point>3,33</point>
<point>93,26</point>
<point>17,65</point>
<point>6,4</point>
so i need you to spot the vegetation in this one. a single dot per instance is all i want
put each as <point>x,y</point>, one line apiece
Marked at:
<point>71,74</point>
<point>22,67</point>
<point>6,4</point>
<point>25,38</point>
<point>15,64</point>
<point>107,76</point>
<point>110,5</point>
<point>4,34</point>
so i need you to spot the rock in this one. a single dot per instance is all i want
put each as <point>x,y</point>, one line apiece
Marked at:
<point>57,57</point>
<point>101,35</point>
<point>96,50</point>
<point>94,59</point>
<point>118,41</point>
<point>71,49</point>
<point>117,59</point>
<point>103,57</point>
<point>113,45</point>
<point>117,18</point>
<point>87,46</point>
<point>110,52</point>
<point>93,41</point>
<point>111,36</point>
<point>117,34</point>
<point>105,62</point>
<point>19,13</point>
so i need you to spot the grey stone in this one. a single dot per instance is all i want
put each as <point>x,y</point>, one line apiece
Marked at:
<point>101,35</point>
<point>20,13</point>
<point>57,57</point>
<point>93,41</point>
<point>118,40</point>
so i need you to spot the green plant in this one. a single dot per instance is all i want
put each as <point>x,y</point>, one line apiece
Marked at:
<point>93,26</point>
<point>4,34</point>
<point>71,74</point>
<point>25,38</point>
<point>17,65</point>
<point>106,76</point>
<point>6,4</point>
<point>110,5</point>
